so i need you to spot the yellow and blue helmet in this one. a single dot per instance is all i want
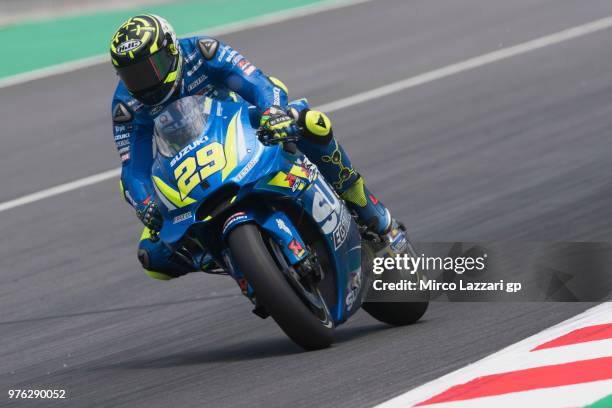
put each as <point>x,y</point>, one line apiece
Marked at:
<point>146,55</point>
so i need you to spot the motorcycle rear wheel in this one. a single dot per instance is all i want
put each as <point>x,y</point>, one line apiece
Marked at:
<point>405,310</point>
<point>274,292</point>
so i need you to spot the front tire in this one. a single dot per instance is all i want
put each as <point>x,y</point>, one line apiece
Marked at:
<point>274,292</point>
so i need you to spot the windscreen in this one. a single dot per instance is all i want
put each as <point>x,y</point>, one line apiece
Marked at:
<point>179,124</point>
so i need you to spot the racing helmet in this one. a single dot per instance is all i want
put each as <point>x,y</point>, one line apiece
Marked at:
<point>146,55</point>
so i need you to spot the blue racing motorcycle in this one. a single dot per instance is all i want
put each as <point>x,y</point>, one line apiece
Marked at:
<point>264,215</point>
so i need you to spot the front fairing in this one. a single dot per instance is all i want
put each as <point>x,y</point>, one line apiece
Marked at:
<point>229,152</point>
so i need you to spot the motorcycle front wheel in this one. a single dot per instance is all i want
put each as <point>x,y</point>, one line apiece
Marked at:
<point>274,292</point>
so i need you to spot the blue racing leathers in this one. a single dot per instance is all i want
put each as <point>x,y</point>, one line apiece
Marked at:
<point>212,68</point>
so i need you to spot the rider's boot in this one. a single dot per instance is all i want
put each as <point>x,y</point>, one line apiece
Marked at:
<point>375,216</point>
<point>319,144</point>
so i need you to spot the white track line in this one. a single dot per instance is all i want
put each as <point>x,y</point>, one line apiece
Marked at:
<point>398,86</point>
<point>62,188</point>
<point>246,24</point>
<point>472,63</point>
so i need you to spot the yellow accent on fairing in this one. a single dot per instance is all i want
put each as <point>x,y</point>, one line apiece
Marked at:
<point>313,118</point>
<point>232,95</point>
<point>208,218</point>
<point>171,194</point>
<point>121,188</point>
<point>356,194</point>
<point>298,171</point>
<point>115,62</point>
<point>280,180</point>
<point>158,276</point>
<point>280,84</point>
<point>231,156</point>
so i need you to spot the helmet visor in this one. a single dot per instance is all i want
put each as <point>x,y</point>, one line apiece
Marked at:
<point>149,72</point>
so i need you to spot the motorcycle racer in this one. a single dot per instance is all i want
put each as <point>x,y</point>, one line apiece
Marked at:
<point>156,68</point>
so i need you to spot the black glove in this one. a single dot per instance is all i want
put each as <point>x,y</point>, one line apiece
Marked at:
<point>277,126</point>
<point>150,215</point>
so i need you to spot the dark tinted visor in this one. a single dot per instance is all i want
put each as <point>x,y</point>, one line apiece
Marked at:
<point>147,73</point>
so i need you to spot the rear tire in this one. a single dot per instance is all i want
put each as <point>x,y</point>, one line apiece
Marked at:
<point>404,309</point>
<point>274,292</point>
<point>396,314</point>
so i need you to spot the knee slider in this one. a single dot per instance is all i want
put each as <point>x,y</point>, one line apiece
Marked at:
<point>316,126</point>
<point>143,257</point>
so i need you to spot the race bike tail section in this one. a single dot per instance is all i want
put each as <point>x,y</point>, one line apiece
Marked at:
<point>252,206</point>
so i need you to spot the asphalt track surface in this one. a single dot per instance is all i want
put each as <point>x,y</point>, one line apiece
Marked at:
<point>515,150</point>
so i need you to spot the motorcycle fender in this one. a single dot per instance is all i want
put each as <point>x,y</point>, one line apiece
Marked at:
<point>277,225</point>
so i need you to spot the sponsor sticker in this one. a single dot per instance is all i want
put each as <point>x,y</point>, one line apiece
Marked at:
<point>186,150</point>
<point>121,136</point>
<point>249,70</point>
<point>283,227</point>
<point>122,129</point>
<point>325,207</point>
<point>156,109</point>
<point>128,46</point>
<point>191,56</point>
<point>129,198</point>
<point>122,143</point>
<point>182,217</point>
<point>237,59</point>
<point>195,67</point>
<point>239,216</point>
<point>231,55</point>
<point>135,105</point>
<point>296,248</point>
<point>223,52</point>
<point>121,113</point>
<point>246,169</point>
<point>309,168</point>
<point>341,231</point>
<point>353,289</point>
<point>196,83</point>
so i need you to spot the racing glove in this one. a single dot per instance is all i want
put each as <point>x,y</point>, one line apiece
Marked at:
<point>277,126</point>
<point>150,215</point>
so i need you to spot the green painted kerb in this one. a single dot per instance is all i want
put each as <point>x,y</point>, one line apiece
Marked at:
<point>34,45</point>
<point>602,403</point>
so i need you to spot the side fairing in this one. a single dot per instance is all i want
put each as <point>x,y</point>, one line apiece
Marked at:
<point>343,241</point>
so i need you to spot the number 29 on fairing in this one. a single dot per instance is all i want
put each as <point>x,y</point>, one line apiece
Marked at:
<point>193,170</point>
